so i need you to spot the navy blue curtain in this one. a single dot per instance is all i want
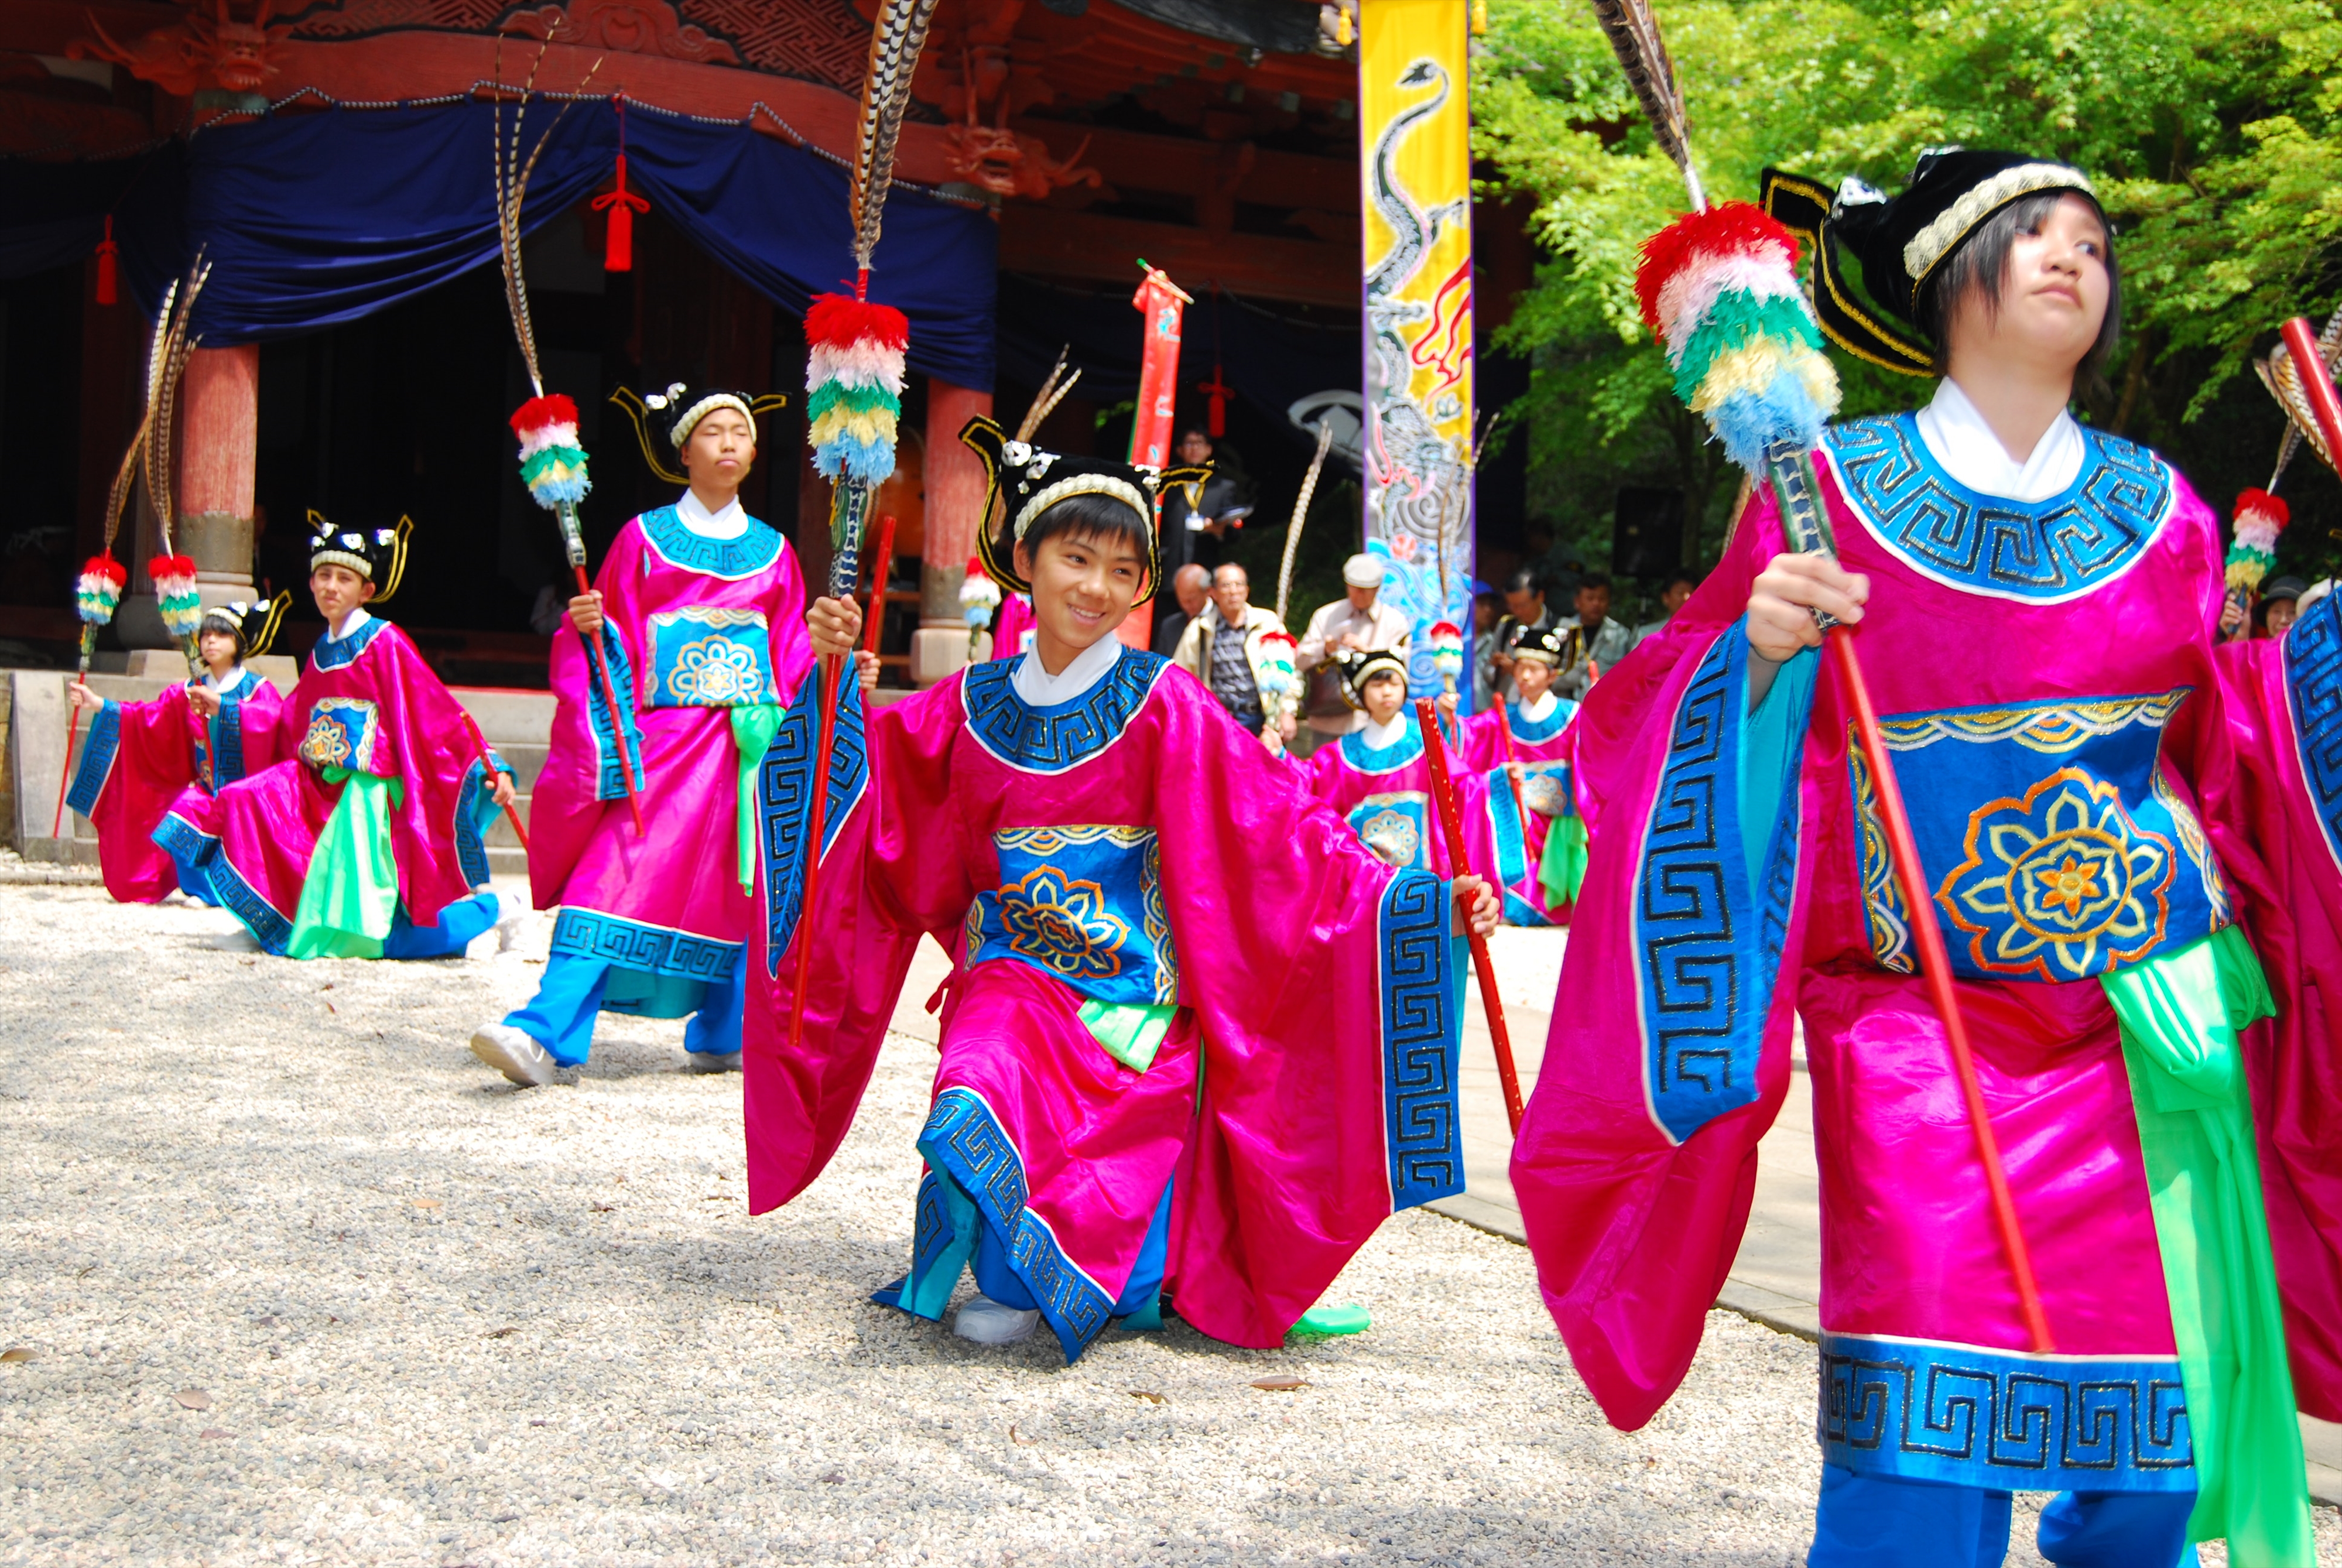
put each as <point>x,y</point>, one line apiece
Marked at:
<point>1270,359</point>
<point>317,218</point>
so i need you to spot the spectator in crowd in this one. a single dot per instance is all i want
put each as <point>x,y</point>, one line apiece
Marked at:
<point>1604,640</point>
<point>1671,598</point>
<point>1222,648</point>
<point>1360,621</point>
<point>2280,602</point>
<point>1525,611</point>
<point>1488,613</point>
<point>1198,515</point>
<point>1189,587</point>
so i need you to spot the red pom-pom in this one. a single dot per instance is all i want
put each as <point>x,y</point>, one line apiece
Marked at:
<point>2270,506</point>
<point>1285,637</point>
<point>1725,229</point>
<point>841,320</point>
<point>539,411</point>
<point>1446,629</point>
<point>163,567</point>
<point>107,567</point>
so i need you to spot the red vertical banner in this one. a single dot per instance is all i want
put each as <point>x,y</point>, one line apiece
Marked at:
<point>1153,428</point>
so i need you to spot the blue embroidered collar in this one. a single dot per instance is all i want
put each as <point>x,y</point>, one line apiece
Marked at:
<point>330,655</point>
<point>2034,552</point>
<point>1386,759</point>
<point>1536,732</point>
<point>730,559</point>
<point>1062,735</point>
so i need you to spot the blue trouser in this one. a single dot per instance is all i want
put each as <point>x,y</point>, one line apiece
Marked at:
<point>575,989</point>
<point>459,924</point>
<point>1880,1522</point>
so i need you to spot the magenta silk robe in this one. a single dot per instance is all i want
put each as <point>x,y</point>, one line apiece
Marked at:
<point>1543,748</point>
<point>140,756</point>
<point>693,628</point>
<point>366,703</point>
<point>1013,629</point>
<point>1130,848</point>
<point>2046,679</point>
<point>1385,794</point>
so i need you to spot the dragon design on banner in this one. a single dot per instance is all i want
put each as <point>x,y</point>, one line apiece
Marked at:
<point>1418,311</point>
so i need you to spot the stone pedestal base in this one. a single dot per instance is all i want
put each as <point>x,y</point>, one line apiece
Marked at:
<point>936,652</point>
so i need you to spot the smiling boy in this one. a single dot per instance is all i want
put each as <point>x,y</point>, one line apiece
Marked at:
<point>1197,1044</point>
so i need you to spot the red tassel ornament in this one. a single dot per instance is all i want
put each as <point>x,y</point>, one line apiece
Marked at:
<point>622,204</point>
<point>108,266</point>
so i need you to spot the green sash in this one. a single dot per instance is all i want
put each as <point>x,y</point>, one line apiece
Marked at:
<point>1562,868</point>
<point>350,895</point>
<point>753,729</point>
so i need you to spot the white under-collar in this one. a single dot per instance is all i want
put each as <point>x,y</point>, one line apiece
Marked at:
<point>358,618</point>
<point>1040,689</point>
<point>1536,709</point>
<point>234,679</point>
<point>729,524</point>
<point>1386,734</point>
<point>1956,434</point>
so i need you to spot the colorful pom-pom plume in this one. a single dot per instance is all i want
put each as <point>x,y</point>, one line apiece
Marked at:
<point>551,463</point>
<point>98,590</point>
<point>854,385</point>
<point>175,592</point>
<point>2260,517</point>
<point>1448,650</point>
<point>1720,289</point>
<point>979,596</point>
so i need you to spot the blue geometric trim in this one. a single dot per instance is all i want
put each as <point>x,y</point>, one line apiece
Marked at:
<point>1419,977</point>
<point>228,739</point>
<point>225,887</point>
<point>96,764</point>
<point>1536,732</point>
<point>1386,759</point>
<point>1924,1410</point>
<point>471,842</point>
<point>659,950</point>
<point>965,1141</point>
<point>2313,689</point>
<point>329,654</point>
<point>2036,551</point>
<point>610,779</point>
<point>190,852</point>
<point>1707,948</point>
<point>1061,735</point>
<point>730,559</point>
<point>785,788</point>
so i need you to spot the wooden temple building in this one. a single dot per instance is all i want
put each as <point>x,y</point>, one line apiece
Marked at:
<point>331,161</point>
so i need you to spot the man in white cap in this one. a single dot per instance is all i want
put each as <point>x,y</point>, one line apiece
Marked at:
<point>1359,620</point>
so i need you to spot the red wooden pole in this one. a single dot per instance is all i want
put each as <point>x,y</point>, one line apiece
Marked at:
<point>1936,964</point>
<point>882,566</point>
<point>1451,822</point>
<point>488,761</point>
<point>73,727</point>
<point>593,646</point>
<point>2317,386</point>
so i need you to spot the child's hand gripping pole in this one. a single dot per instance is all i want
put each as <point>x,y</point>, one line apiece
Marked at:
<point>573,542</point>
<point>849,506</point>
<point>1451,824</point>
<point>1791,474</point>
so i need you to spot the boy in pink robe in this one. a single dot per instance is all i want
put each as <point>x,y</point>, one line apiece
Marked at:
<point>1540,853</point>
<point>1197,1044</point>
<point>140,756</point>
<point>2034,605</point>
<point>699,615</point>
<point>1379,780</point>
<point>366,841</point>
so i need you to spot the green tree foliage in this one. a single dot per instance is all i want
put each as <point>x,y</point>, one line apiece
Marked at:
<point>2213,130</point>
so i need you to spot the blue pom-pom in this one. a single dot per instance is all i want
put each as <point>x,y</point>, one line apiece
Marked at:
<point>1749,423</point>
<point>872,462</point>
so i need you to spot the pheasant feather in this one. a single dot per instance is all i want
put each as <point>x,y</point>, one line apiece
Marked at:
<point>1634,35</point>
<point>895,44</point>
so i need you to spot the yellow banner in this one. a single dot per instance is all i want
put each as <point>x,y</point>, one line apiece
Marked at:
<point>1415,163</point>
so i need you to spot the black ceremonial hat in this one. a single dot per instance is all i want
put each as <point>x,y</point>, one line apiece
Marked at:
<point>254,624</point>
<point>673,414</point>
<point>377,554</point>
<point>1360,666</point>
<point>1029,480</point>
<point>1901,240</point>
<point>1555,645</point>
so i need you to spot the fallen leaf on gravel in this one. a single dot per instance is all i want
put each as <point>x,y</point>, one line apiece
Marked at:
<point>194,1398</point>
<point>1022,1442</point>
<point>833,1479</point>
<point>1148,1394</point>
<point>334,1010</point>
<point>604,1208</point>
<point>19,1352</point>
<point>510,1328</point>
<point>426,1202</point>
<point>215,1432</point>
<point>1280,1385</point>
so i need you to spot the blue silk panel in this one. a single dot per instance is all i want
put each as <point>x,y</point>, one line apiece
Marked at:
<point>703,657</point>
<point>345,732</point>
<point>2054,845</point>
<point>1085,904</point>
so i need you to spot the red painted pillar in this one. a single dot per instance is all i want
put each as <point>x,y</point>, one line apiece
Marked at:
<point>954,510</point>
<point>218,436</point>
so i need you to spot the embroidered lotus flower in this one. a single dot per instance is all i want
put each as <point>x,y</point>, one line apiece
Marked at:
<point>2060,884</point>
<point>716,672</point>
<point>1063,924</point>
<point>1392,835</point>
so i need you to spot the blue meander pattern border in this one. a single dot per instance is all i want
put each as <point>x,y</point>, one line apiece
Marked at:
<point>215,878</point>
<point>329,654</point>
<point>228,740</point>
<point>966,1142</point>
<point>1062,737</point>
<point>96,764</point>
<point>785,794</point>
<point>2039,552</point>
<point>471,840</point>
<point>730,559</point>
<point>1708,946</point>
<point>2312,686</point>
<point>651,949</point>
<point>1967,1416</point>
<point>1422,1040</point>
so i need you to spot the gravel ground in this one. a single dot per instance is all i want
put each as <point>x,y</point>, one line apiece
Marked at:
<point>301,1283</point>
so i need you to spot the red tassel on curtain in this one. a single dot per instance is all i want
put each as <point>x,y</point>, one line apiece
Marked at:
<point>107,251</point>
<point>622,204</point>
<point>1216,410</point>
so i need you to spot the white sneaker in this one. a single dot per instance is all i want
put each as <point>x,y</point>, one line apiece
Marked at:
<point>712,1061</point>
<point>986,1321</point>
<point>508,930</point>
<point>513,1054</point>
